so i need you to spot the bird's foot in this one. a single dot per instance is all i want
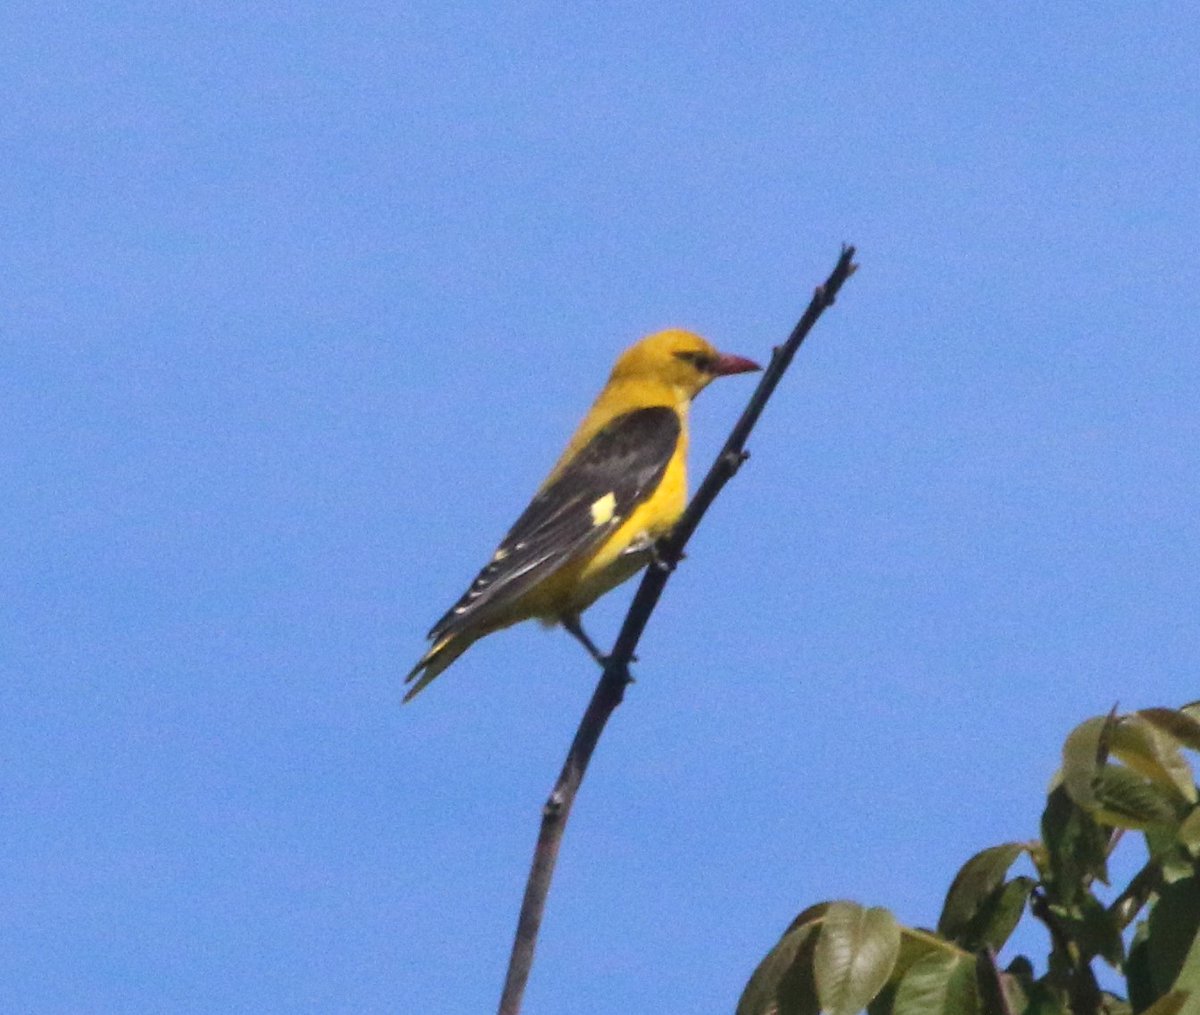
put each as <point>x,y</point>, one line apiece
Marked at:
<point>660,560</point>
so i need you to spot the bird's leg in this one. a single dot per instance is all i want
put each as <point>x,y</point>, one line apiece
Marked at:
<point>574,627</point>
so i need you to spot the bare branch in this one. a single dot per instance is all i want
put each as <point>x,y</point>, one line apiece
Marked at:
<point>611,688</point>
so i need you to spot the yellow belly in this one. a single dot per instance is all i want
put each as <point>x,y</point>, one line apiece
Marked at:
<point>575,587</point>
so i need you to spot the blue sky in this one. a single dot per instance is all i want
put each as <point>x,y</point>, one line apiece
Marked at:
<point>299,302</point>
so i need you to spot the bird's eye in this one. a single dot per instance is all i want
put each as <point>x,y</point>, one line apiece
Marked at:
<point>701,361</point>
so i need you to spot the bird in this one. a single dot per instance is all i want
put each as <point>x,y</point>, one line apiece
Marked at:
<point>618,488</point>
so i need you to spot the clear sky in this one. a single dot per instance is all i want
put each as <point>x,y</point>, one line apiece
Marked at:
<point>298,303</point>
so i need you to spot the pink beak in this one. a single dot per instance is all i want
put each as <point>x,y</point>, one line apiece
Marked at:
<point>727,363</point>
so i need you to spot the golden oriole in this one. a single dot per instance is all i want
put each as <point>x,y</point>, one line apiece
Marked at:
<point>619,486</point>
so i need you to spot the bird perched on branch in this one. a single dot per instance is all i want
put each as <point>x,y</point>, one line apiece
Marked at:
<point>618,488</point>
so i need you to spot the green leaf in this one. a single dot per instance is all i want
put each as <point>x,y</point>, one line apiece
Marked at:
<point>1091,930</point>
<point>1075,844</point>
<point>999,916</point>
<point>1172,938</point>
<point>915,944</point>
<point>1189,832</point>
<point>1169,850</point>
<point>1169,1004</point>
<point>1188,980</point>
<point>1046,1000</point>
<point>973,886</point>
<point>938,985</point>
<point>1021,968</point>
<point>1178,723</point>
<point>809,915</point>
<point>783,982</point>
<point>1137,969</point>
<point>1126,800</point>
<point>855,955</point>
<point>1099,933</point>
<point>1083,752</point>
<point>1152,751</point>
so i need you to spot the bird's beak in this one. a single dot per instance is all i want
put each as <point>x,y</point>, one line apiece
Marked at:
<point>727,363</point>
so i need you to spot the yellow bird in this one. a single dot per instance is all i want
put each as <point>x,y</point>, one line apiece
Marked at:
<point>619,487</point>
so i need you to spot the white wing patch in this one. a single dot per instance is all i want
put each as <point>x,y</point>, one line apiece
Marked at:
<point>603,509</point>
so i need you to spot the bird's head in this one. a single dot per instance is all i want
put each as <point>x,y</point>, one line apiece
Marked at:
<point>680,359</point>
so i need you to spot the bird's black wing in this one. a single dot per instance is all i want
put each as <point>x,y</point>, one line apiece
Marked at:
<point>625,460</point>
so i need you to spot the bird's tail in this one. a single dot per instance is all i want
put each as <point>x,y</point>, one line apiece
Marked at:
<point>443,652</point>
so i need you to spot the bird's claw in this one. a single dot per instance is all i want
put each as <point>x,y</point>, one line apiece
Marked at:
<point>661,562</point>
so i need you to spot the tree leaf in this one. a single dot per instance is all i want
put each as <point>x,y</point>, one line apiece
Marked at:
<point>1075,846</point>
<point>915,944</point>
<point>1046,1000</point>
<point>1098,932</point>
<point>1177,723</point>
<point>1143,746</point>
<point>1126,800</point>
<point>938,985</point>
<point>973,886</point>
<point>1169,1004</point>
<point>1083,753</point>
<point>1188,980</point>
<point>854,956</point>
<point>1021,968</point>
<point>783,982</point>
<point>1189,832</point>
<point>1137,969</point>
<point>1172,937</point>
<point>809,915</point>
<point>998,916</point>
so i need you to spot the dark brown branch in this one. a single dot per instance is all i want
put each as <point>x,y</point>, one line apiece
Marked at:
<point>611,688</point>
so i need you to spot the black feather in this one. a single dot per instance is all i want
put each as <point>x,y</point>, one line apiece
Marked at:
<point>626,458</point>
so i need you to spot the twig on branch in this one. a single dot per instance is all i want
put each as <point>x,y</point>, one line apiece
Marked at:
<point>611,688</point>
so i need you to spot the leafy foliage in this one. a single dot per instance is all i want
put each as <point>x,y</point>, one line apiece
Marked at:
<point>1120,774</point>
